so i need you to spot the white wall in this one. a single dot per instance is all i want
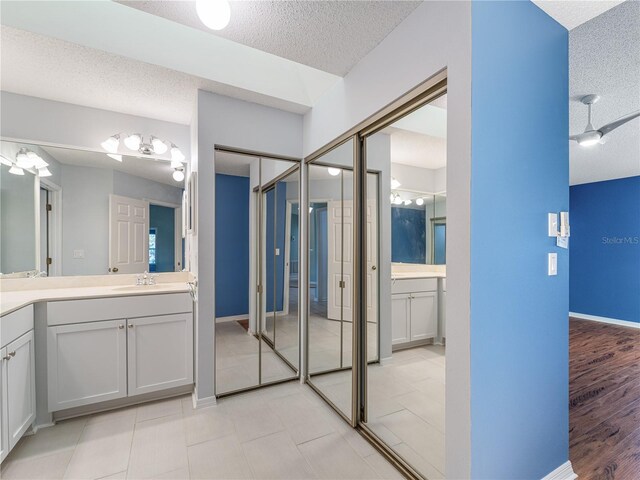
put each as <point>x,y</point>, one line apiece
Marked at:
<point>435,36</point>
<point>40,121</point>
<point>226,121</point>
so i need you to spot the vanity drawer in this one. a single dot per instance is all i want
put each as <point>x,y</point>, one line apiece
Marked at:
<point>409,285</point>
<point>97,309</point>
<point>15,324</point>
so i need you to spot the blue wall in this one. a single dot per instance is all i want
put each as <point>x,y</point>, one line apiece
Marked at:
<point>163,220</point>
<point>519,173</point>
<point>232,245</point>
<point>408,235</point>
<point>605,249</point>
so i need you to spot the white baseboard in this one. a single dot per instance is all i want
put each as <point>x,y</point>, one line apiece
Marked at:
<point>563,472</point>
<point>613,321</point>
<point>232,318</point>
<point>202,402</point>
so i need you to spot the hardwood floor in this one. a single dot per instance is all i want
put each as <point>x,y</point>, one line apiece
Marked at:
<point>604,400</point>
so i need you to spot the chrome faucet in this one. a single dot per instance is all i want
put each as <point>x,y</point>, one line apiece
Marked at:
<point>146,278</point>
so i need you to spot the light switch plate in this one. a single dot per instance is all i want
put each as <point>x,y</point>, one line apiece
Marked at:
<point>553,264</point>
<point>78,254</point>
<point>553,224</point>
<point>277,251</point>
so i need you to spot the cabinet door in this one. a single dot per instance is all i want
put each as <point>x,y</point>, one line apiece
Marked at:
<point>424,315</point>
<point>160,352</point>
<point>87,363</point>
<point>21,387</point>
<point>4,429</point>
<point>443,315</point>
<point>400,312</point>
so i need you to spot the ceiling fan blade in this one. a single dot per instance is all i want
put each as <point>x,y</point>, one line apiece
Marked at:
<point>616,123</point>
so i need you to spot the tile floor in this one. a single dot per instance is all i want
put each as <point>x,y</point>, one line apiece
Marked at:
<point>284,431</point>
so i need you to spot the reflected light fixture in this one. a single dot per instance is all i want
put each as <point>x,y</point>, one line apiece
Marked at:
<point>158,145</point>
<point>397,200</point>
<point>44,172</point>
<point>23,160</point>
<point>111,144</point>
<point>176,154</point>
<point>178,175</point>
<point>115,156</point>
<point>395,183</point>
<point>408,201</point>
<point>334,172</point>
<point>215,14</point>
<point>5,161</point>
<point>420,201</point>
<point>16,170</point>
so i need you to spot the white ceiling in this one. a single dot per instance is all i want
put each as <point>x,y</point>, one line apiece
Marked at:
<point>156,170</point>
<point>571,13</point>
<point>604,58</point>
<point>328,35</point>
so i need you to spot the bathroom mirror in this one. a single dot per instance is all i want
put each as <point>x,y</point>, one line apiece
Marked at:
<point>418,227</point>
<point>89,213</point>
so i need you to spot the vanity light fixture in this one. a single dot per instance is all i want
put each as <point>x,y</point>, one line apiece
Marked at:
<point>397,200</point>
<point>5,161</point>
<point>178,174</point>
<point>395,184</point>
<point>44,172</point>
<point>408,201</point>
<point>176,154</point>
<point>158,145</point>
<point>334,172</point>
<point>215,14</point>
<point>23,160</point>
<point>420,201</point>
<point>111,144</point>
<point>16,170</point>
<point>176,164</point>
<point>133,141</point>
<point>115,156</point>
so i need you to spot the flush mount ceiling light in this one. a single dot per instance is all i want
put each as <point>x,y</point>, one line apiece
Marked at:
<point>395,183</point>
<point>592,136</point>
<point>334,172</point>
<point>215,14</point>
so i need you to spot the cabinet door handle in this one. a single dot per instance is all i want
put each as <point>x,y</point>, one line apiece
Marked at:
<point>12,354</point>
<point>131,325</point>
<point>121,326</point>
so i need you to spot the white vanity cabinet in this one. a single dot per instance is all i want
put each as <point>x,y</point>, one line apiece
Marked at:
<point>17,378</point>
<point>414,310</point>
<point>146,346</point>
<point>87,363</point>
<point>160,352</point>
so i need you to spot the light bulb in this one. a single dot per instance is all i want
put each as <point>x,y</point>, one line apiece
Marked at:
<point>44,172</point>
<point>5,161</point>
<point>115,156</point>
<point>408,202</point>
<point>215,14</point>
<point>419,201</point>
<point>398,200</point>
<point>23,160</point>
<point>178,175</point>
<point>133,141</point>
<point>176,154</point>
<point>16,170</point>
<point>395,184</point>
<point>111,144</point>
<point>334,172</point>
<point>40,163</point>
<point>159,146</point>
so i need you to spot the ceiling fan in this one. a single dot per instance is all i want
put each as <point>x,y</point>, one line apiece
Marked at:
<point>591,135</point>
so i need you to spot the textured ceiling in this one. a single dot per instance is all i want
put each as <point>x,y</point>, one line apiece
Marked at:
<point>328,35</point>
<point>86,76</point>
<point>571,13</point>
<point>604,58</point>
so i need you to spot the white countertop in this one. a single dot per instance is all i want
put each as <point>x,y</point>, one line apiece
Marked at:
<point>14,300</point>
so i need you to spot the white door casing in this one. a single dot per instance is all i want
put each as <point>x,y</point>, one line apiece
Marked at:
<point>128,235</point>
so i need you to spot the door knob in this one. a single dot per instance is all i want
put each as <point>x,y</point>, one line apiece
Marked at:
<point>114,269</point>
<point>374,267</point>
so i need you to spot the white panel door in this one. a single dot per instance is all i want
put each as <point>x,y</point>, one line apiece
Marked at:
<point>424,315</point>
<point>4,430</point>
<point>128,235</point>
<point>340,265</point>
<point>21,387</point>
<point>400,318</point>
<point>372,261</point>
<point>86,363</point>
<point>160,352</point>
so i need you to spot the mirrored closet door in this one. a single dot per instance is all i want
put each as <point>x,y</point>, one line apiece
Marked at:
<point>257,321</point>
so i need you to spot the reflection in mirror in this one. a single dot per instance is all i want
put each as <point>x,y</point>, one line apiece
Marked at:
<point>98,214</point>
<point>330,333</point>
<point>257,322</point>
